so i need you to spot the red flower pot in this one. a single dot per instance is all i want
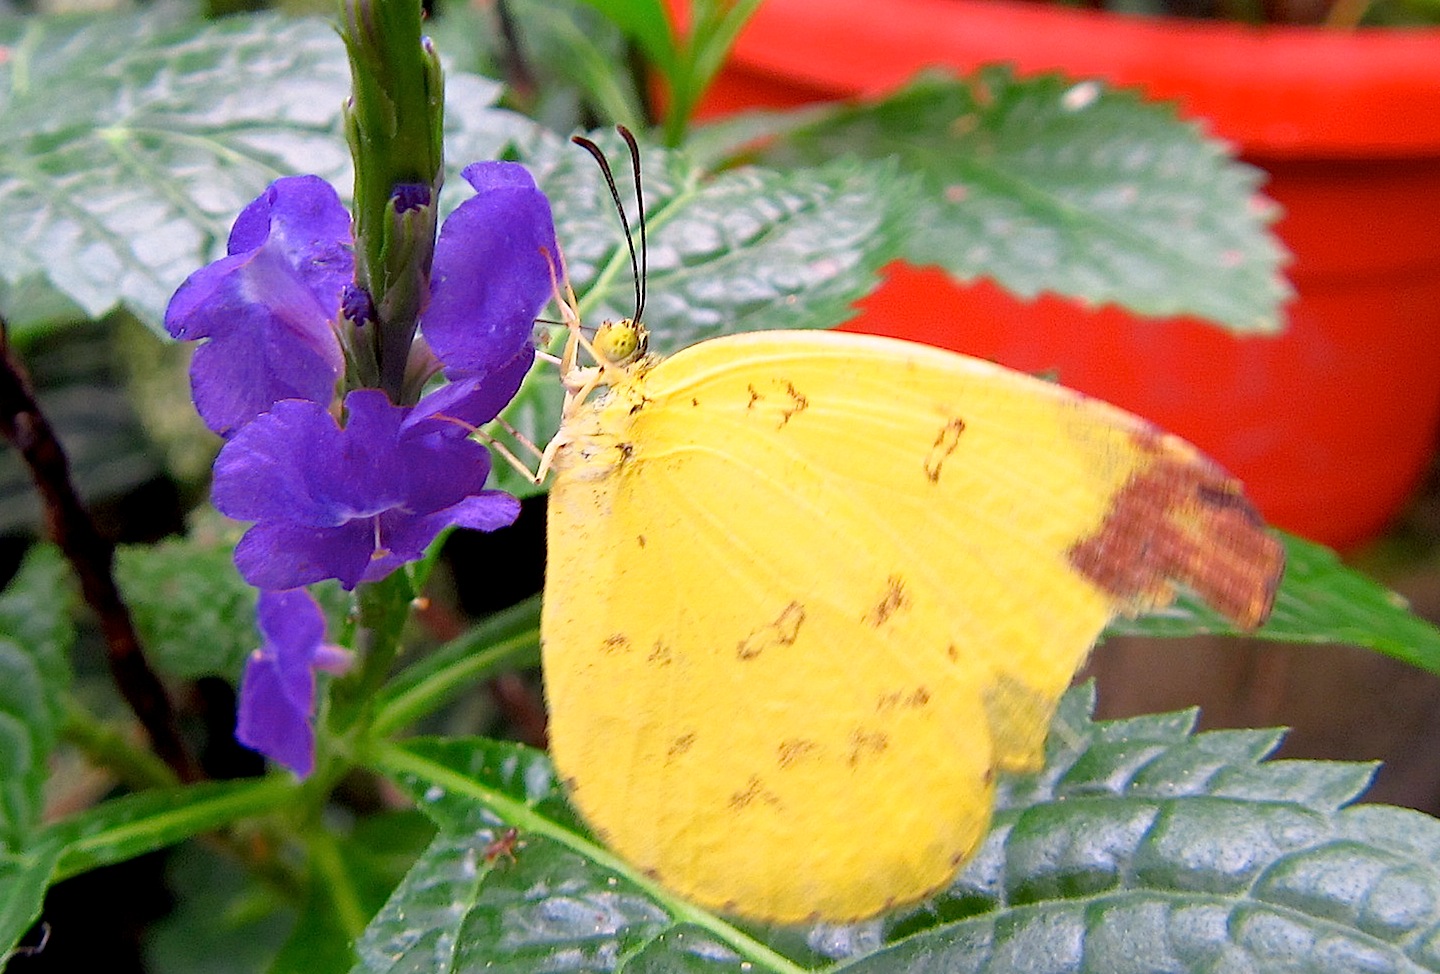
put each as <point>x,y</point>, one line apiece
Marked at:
<point>1330,424</point>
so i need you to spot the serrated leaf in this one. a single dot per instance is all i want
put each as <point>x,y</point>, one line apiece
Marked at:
<point>1320,600</point>
<point>747,250</point>
<point>35,637</point>
<point>194,613</point>
<point>24,878</point>
<point>130,141</point>
<point>1141,846</point>
<point>1048,185</point>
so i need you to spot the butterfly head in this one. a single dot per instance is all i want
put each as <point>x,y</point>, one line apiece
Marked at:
<point>622,342</point>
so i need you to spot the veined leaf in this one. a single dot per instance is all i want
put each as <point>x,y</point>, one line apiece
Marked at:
<point>35,638</point>
<point>1140,846</point>
<point>1049,185</point>
<point>130,141</point>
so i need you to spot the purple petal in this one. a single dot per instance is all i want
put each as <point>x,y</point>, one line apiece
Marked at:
<point>267,308</point>
<point>351,503</point>
<point>303,217</point>
<point>284,554</point>
<point>281,466</point>
<point>288,620</point>
<point>269,721</point>
<point>296,463</point>
<point>441,470</point>
<point>492,271</point>
<point>277,691</point>
<point>487,511</point>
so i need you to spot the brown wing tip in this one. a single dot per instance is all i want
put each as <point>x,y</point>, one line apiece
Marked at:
<point>1183,519</point>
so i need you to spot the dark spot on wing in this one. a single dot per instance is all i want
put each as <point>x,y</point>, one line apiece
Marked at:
<point>890,603</point>
<point>945,443</point>
<point>680,745</point>
<point>754,791</point>
<point>903,699</point>
<point>793,749</point>
<point>866,743</point>
<point>1182,519</point>
<point>616,643</point>
<point>953,653</point>
<point>782,632</point>
<point>781,400</point>
<point>640,538</point>
<point>660,654</point>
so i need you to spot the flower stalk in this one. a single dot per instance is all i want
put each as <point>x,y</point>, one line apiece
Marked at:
<point>394,122</point>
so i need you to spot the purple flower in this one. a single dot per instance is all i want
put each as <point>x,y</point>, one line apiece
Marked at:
<point>277,695</point>
<point>355,502</point>
<point>352,502</point>
<point>270,311</point>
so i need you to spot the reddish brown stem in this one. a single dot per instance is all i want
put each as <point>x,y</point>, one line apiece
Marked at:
<point>69,525</point>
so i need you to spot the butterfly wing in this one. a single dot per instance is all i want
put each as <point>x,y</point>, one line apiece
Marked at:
<point>807,591</point>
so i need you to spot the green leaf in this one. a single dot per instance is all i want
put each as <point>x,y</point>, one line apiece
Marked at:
<point>24,878</point>
<point>746,250</point>
<point>123,828</point>
<point>1046,184</point>
<point>130,141</point>
<point>1319,601</point>
<point>195,615</point>
<point>647,23</point>
<point>35,638</point>
<point>1140,846</point>
<point>576,63</point>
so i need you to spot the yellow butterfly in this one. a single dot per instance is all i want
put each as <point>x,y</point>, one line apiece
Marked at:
<point>807,592</point>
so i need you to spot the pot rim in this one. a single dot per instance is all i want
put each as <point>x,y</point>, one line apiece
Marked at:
<point>1279,91</point>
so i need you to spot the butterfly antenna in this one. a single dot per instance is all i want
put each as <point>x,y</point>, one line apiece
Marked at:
<point>640,203</point>
<point>604,164</point>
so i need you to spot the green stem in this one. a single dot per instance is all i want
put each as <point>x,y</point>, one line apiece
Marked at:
<point>467,660</point>
<point>109,748</point>
<point>384,610</point>
<point>339,885</point>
